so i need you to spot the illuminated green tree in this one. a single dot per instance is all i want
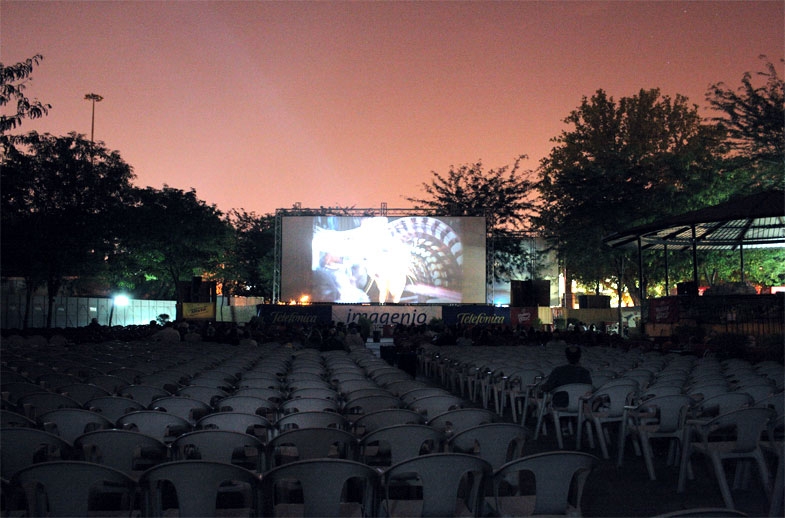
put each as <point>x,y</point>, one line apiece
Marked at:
<point>168,236</point>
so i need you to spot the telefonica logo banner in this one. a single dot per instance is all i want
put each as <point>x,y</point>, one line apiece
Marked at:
<point>387,315</point>
<point>472,315</point>
<point>305,315</point>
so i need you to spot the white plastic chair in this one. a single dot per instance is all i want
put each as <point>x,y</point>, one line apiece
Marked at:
<point>554,474</point>
<point>732,436</point>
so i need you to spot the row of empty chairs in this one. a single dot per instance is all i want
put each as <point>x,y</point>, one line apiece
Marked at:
<point>439,484</point>
<point>175,423</point>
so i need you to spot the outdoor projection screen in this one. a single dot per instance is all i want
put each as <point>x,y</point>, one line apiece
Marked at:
<point>407,260</point>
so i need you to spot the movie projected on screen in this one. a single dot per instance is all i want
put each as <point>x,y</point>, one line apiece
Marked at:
<point>406,260</point>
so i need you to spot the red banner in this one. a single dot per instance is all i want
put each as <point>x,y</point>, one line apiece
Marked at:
<point>664,310</point>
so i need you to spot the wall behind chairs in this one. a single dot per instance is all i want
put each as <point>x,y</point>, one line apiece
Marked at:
<point>79,311</point>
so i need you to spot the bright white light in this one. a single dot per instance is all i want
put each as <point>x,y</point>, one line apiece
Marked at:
<point>121,300</point>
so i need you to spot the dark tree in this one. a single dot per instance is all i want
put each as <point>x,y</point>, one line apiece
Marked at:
<point>61,198</point>
<point>621,164</point>
<point>754,117</point>
<point>13,82</point>
<point>502,196</point>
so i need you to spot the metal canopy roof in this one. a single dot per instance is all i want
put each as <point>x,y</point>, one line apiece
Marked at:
<point>755,221</point>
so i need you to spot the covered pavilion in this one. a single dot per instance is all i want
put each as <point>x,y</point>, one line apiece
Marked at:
<point>744,222</point>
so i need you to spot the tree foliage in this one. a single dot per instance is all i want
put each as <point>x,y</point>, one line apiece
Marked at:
<point>60,199</point>
<point>623,163</point>
<point>247,267</point>
<point>754,118</point>
<point>13,82</point>
<point>502,196</point>
<point>170,235</point>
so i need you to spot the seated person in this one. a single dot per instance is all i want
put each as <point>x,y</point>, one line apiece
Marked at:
<point>572,372</point>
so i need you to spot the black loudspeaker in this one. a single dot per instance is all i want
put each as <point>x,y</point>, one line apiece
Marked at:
<point>530,293</point>
<point>594,301</point>
<point>196,286</point>
<point>689,289</point>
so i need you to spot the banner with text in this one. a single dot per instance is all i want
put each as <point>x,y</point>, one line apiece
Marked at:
<point>664,310</point>
<point>304,315</point>
<point>524,317</point>
<point>472,315</point>
<point>199,310</point>
<point>387,315</point>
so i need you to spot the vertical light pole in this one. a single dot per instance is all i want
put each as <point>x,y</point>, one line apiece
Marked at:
<point>95,98</point>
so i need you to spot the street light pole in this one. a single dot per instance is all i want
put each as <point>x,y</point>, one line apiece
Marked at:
<point>95,98</point>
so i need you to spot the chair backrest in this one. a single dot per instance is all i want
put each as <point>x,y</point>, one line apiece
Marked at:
<point>82,392</point>
<point>669,411</point>
<point>39,403</point>
<point>308,404</point>
<point>497,443</point>
<point>573,391</point>
<point>124,450</point>
<point>775,401</point>
<point>274,395</point>
<point>220,446</point>
<point>440,476</point>
<point>161,425</point>
<point>64,488</point>
<point>311,420</point>
<point>292,385</point>
<point>748,423</point>
<point>455,421</point>
<point>432,406</point>
<point>420,392</point>
<point>188,408</point>
<point>367,423</point>
<point>401,442</point>
<point>553,475</point>
<point>399,388</point>
<point>111,384</point>
<point>323,484</point>
<point>22,447</point>
<point>9,419</point>
<point>318,392</point>
<point>310,443</point>
<point>723,403</point>
<point>348,386</point>
<point>113,407</point>
<point>610,400</point>
<point>207,395</point>
<point>70,423</point>
<point>242,422</point>
<point>370,403</point>
<point>269,382</point>
<point>249,405</point>
<point>196,484</point>
<point>759,391</point>
<point>144,394</point>
<point>13,390</point>
<point>708,390</point>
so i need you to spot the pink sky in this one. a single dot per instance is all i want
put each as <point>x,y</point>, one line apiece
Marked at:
<point>259,105</point>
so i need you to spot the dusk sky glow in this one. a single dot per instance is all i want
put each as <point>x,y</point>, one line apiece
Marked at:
<point>259,105</point>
